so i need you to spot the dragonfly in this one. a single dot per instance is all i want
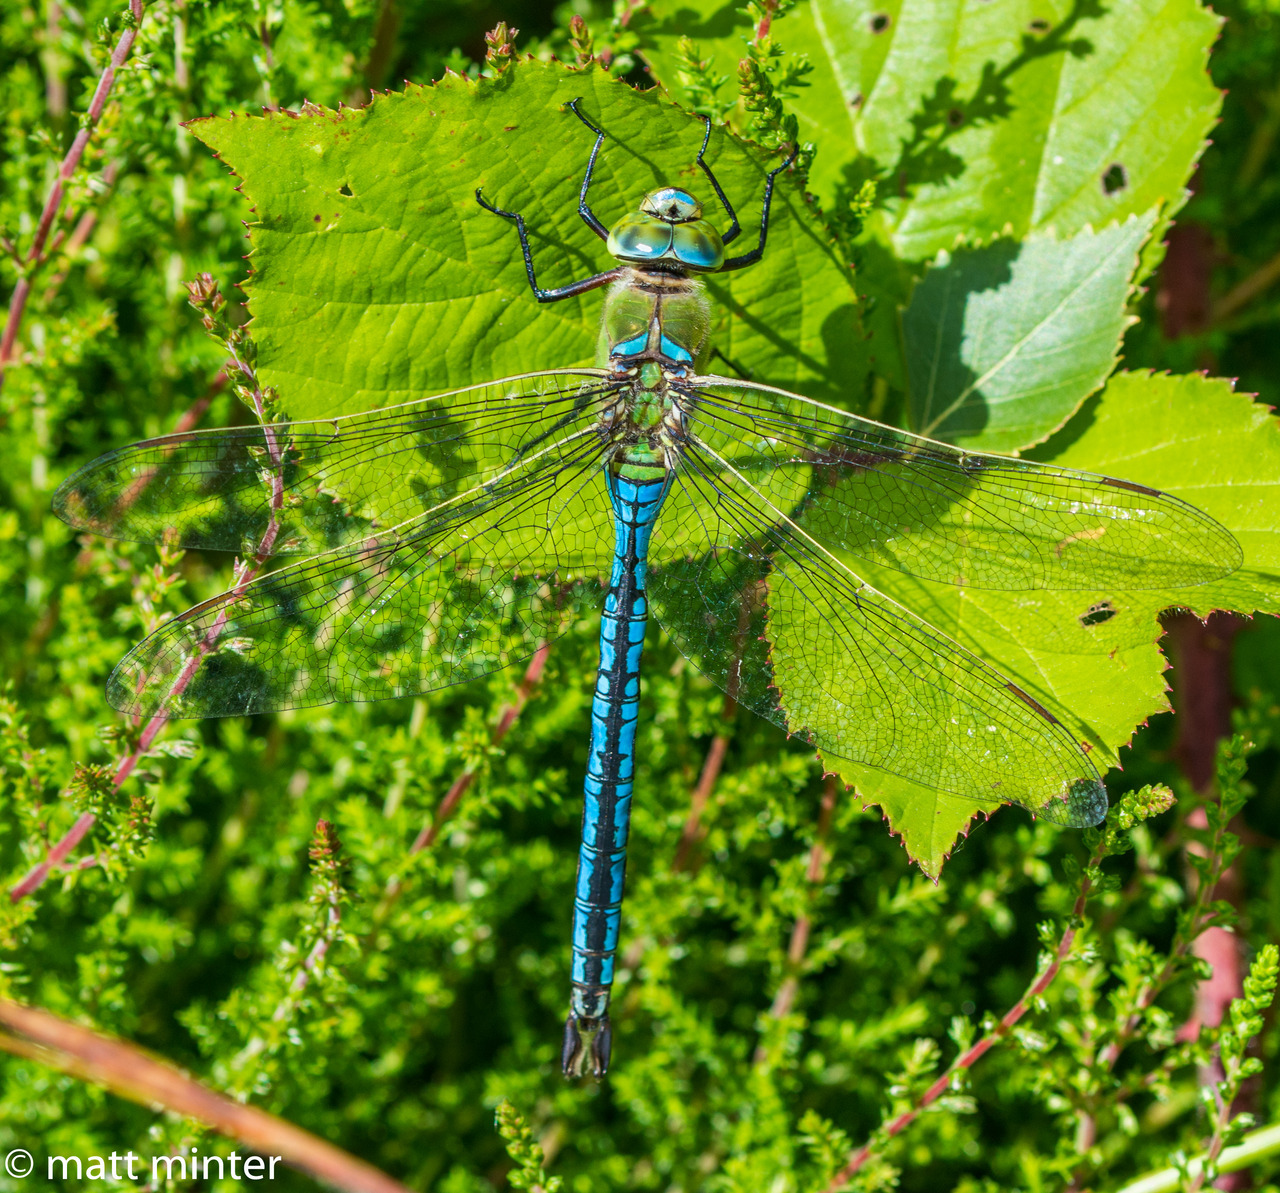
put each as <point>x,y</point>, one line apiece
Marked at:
<point>450,536</point>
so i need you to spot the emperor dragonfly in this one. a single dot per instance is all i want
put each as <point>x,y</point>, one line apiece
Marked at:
<point>445,536</point>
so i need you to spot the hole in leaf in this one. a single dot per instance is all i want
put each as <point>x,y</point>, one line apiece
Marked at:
<point>1115,179</point>
<point>1097,613</point>
<point>344,189</point>
<point>955,118</point>
<point>880,22</point>
<point>1039,25</point>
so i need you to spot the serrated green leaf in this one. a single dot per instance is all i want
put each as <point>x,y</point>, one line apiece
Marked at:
<point>983,118</point>
<point>1092,658</point>
<point>1004,342</point>
<point>378,278</point>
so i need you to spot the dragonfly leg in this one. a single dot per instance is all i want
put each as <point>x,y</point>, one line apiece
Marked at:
<point>589,216</point>
<point>735,227</point>
<point>554,295</point>
<point>756,253</point>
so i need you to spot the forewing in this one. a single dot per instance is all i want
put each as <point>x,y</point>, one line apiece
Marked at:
<point>931,510</point>
<point>442,600</point>
<point>308,487</point>
<point>792,634</point>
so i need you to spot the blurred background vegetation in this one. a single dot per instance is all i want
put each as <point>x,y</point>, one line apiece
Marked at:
<point>791,983</point>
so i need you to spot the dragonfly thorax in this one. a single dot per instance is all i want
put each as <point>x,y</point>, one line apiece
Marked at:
<point>657,316</point>
<point>669,233</point>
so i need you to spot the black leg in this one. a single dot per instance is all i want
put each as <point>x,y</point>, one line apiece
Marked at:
<point>756,253</point>
<point>591,283</point>
<point>589,216</point>
<point>715,185</point>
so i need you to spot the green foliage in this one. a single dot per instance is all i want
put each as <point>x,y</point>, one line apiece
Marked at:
<point>985,117</point>
<point>1003,343</point>
<point>797,1003</point>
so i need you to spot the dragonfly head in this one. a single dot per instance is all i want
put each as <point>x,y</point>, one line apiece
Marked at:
<point>668,230</point>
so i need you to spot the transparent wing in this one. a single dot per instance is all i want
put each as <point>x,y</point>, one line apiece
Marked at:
<point>934,511</point>
<point>307,487</point>
<point>442,599</point>
<point>766,612</point>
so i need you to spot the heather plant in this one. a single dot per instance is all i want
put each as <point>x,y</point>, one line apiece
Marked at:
<point>339,935</point>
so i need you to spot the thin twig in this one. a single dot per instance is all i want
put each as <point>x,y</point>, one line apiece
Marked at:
<point>719,744</point>
<point>1262,279</point>
<point>968,1058</point>
<point>128,1071</point>
<point>56,856</point>
<point>785,999</point>
<point>80,234</point>
<point>37,255</point>
<point>244,573</point>
<point>453,797</point>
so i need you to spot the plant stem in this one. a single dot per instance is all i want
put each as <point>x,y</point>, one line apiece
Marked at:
<point>453,797</point>
<point>1259,1145</point>
<point>36,255</point>
<point>1245,292</point>
<point>719,744</point>
<point>126,1070</point>
<point>785,999</point>
<point>972,1055</point>
<point>244,573</point>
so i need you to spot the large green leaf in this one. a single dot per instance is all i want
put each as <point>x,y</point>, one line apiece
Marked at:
<point>1092,657</point>
<point>982,118</point>
<point>378,278</point>
<point>1003,342</point>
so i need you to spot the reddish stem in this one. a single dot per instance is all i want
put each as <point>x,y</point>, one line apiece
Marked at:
<point>702,792</point>
<point>766,21</point>
<point>81,233</point>
<point>244,574</point>
<point>971,1056</point>
<point>36,255</point>
<point>453,797</point>
<point>799,944</point>
<point>128,1071</point>
<point>57,855</point>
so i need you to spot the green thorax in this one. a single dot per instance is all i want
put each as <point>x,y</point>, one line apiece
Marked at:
<point>656,324</point>
<point>662,317</point>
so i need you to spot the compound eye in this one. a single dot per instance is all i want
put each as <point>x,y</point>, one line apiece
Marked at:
<point>671,204</point>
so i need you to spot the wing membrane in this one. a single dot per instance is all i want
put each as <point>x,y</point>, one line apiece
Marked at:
<point>931,510</point>
<point>791,633</point>
<point>439,600</point>
<point>339,481</point>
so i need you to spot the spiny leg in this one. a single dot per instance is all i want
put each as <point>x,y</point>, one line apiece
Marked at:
<point>715,185</point>
<point>589,216</point>
<point>559,292</point>
<point>756,253</point>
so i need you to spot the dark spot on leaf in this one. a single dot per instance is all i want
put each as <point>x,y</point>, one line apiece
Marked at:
<point>880,22</point>
<point>856,101</point>
<point>1115,179</point>
<point>317,219</point>
<point>508,128</point>
<point>1097,613</point>
<point>1039,25</point>
<point>955,118</point>
<point>344,189</point>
